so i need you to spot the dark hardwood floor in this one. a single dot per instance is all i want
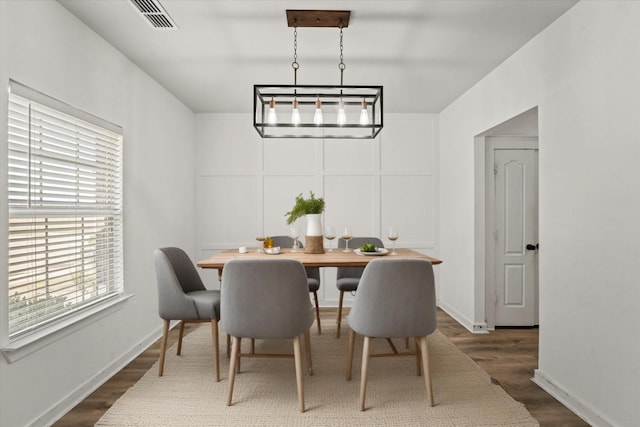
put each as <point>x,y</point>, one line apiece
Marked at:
<point>508,355</point>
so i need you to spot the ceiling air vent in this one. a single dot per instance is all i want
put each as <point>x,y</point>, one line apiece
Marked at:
<point>154,13</point>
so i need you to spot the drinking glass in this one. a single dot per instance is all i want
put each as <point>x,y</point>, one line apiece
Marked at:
<point>346,235</point>
<point>393,236</point>
<point>330,234</point>
<point>260,239</point>
<point>293,233</point>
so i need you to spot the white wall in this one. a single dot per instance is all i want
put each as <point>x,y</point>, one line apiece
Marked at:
<point>583,74</point>
<point>245,185</point>
<point>45,47</point>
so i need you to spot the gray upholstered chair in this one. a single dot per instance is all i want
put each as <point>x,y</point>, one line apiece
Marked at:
<point>395,299</point>
<point>313,274</point>
<point>266,299</point>
<point>182,296</point>
<point>347,278</point>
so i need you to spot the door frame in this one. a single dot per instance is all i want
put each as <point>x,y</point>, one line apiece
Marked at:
<point>491,144</point>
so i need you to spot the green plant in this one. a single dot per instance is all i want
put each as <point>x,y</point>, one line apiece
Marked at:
<point>303,207</point>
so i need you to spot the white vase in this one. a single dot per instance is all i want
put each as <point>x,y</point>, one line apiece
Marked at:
<point>314,225</point>
<point>313,238</point>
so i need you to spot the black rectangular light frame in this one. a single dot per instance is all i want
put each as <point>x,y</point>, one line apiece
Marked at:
<point>329,96</point>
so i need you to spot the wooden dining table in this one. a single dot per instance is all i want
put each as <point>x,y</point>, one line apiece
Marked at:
<point>335,258</point>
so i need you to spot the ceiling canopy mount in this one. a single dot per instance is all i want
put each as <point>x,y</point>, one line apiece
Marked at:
<point>318,18</point>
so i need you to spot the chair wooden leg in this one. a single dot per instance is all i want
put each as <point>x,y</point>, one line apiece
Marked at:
<point>179,351</point>
<point>352,340</point>
<point>239,358</point>
<point>235,356</point>
<point>228,346</point>
<point>365,370</point>
<point>418,362</point>
<point>298,362</point>
<point>427,370</point>
<point>307,345</point>
<point>315,297</point>
<point>216,347</point>
<point>339,314</point>
<point>163,347</point>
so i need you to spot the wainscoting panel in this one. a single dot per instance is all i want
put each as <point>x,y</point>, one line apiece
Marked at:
<point>411,210</point>
<point>351,201</point>
<point>348,156</point>
<point>291,156</point>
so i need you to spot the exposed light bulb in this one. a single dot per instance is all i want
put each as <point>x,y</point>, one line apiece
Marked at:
<point>342,117</point>
<point>364,115</point>
<point>317,117</point>
<point>272,117</point>
<point>295,113</point>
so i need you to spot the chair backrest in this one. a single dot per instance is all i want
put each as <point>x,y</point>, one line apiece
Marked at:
<point>284,241</point>
<point>265,298</point>
<point>176,276</point>
<point>395,299</point>
<point>355,243</point>
<point>287,242</point>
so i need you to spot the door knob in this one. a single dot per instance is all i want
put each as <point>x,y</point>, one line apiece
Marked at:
<point>532,247</point>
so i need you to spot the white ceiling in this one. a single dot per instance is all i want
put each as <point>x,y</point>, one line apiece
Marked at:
<point>426,53</point>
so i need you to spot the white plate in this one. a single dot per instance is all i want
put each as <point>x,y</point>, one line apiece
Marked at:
<point>380,251</point>
<point>272,251</point>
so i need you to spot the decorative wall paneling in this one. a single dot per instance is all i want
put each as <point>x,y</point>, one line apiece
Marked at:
<point>246,184</point>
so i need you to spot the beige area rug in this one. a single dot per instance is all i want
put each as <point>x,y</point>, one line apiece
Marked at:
<point>265,390</point>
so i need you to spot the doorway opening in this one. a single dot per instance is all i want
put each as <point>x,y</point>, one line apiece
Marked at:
<point>506,224</point>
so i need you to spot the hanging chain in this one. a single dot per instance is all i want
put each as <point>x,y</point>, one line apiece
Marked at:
<point>295,64</point>
<point>341,65</point>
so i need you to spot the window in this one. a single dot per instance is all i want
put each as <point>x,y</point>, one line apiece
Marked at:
<point>65,210</point>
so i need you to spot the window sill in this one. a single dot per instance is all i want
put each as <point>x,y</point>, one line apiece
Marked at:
<point>21,347</point>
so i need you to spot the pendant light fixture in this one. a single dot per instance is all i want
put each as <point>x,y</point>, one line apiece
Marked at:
<point>364,114</point>
<point>342,115</point>
<point>317,116</point>
<point>295,113</point>
<point>272,118</point>
<point>318,111</point>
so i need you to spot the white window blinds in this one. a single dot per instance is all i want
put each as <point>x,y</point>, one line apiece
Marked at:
<point>65,210</point>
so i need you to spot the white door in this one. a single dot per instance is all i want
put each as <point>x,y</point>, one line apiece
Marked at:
<point>516,237</point>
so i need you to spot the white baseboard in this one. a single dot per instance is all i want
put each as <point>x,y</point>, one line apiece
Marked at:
<point>467,323</point>
<point>569,401</point>
<point>69,401</point>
